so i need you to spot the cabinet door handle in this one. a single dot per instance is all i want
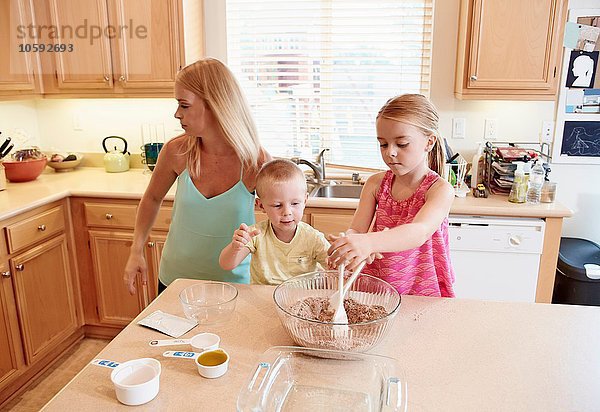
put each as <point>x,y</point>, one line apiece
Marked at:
<point>109,216</point>
<point>5,274</point>
<point>106,79</point>
<point>20,267</point>
<point>473,77</point>
<point>42,228</point>
<point>150,244</point>
<point>122,79</point>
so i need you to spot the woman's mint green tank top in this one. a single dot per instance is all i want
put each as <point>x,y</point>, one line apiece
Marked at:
<point>200,229</point>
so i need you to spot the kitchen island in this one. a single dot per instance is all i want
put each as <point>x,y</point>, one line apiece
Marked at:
<point>456,355</point>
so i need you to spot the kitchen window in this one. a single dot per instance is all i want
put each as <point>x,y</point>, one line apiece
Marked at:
<point>317,71</point>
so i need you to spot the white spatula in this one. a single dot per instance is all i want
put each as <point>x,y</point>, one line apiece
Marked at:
<point>337,299</point>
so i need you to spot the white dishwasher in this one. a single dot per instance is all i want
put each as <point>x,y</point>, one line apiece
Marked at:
<point>496,258</point>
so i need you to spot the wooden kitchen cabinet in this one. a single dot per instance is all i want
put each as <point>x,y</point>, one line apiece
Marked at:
<point>19,71</point>
<point>330,221</point>
<point>105,235</point>
<point>44,296</point>
<point>155,246</point>
<point>509,49</point>
<point>138,53</point>
<point>110,251</point>
<point>40,313</point>
<point>11,355</point>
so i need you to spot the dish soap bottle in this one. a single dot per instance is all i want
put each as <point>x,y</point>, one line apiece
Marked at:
<point>518,191</point>
<point>536,180</point>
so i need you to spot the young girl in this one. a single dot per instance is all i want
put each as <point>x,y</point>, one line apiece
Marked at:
<point>410,203</point>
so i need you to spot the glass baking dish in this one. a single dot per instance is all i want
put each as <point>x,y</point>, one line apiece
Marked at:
<point>289,378</point>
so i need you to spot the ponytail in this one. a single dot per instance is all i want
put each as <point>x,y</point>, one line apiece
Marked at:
<point>436,159</point>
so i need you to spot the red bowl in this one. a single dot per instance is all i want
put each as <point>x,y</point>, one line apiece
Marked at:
<point>24,171</point>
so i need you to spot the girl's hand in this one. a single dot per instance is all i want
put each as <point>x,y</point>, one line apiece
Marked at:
<point>350,250</point>
<point>242,236</point>
<point>136,265</point>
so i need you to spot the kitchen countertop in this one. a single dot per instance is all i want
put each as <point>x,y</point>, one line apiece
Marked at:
<point>95,182</point>
<point>456,355</point>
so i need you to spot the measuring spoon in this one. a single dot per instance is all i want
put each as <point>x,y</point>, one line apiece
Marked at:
<point>200,342</point>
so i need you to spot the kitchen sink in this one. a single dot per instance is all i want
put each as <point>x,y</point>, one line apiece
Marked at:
<point>351,191</point>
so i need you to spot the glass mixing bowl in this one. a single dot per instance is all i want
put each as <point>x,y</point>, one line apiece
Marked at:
<point>358,337</point>
<point>209,302</point>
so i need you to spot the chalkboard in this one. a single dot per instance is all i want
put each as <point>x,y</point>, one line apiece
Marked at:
<point>581,139</point>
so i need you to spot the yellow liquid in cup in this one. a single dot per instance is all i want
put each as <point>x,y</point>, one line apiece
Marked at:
<point>212,358</point>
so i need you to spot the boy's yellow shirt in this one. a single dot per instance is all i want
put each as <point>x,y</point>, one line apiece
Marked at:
<point>274,261</point>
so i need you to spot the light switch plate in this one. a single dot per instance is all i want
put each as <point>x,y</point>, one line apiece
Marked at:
<point>459,125</point>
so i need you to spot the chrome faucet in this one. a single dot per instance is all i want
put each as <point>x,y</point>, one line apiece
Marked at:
<point>318,168</point>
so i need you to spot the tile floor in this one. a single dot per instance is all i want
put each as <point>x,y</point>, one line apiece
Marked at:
<point>52,381</point>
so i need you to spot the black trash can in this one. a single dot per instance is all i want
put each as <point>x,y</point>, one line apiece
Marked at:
<point>572,285</point>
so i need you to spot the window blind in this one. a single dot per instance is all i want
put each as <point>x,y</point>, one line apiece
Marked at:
<point>316,72</point>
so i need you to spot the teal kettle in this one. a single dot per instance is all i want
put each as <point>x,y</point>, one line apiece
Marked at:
<point>115,160</point>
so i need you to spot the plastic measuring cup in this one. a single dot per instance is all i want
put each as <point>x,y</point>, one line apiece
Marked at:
<point>136,381</point>
<point>210,363</point>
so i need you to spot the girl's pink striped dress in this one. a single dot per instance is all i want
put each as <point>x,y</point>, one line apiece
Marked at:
<point>425,270</point>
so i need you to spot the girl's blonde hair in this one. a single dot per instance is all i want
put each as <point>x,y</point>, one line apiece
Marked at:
<point>418,111</point>
<point>214,83</point>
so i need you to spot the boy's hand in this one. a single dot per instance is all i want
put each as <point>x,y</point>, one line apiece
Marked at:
<point>242,236</point>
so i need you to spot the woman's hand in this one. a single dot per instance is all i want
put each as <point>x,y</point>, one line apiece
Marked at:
<point>242,236</point>
<point>136,265</point>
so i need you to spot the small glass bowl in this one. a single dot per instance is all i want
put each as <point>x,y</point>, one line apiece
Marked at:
<point>209,302</point>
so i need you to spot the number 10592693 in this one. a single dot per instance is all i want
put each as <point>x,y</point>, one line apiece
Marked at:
<point>46,47</point>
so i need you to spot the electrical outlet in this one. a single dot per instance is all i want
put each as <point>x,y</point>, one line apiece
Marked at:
<point>458,127</point>
<point>491,129</point>
<point>547,132</point>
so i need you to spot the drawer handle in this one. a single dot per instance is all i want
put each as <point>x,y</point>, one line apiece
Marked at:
<point>42,228</point>
<point>20,267</point>
<point>150,244</point>
<point>6,274</point>
<point>108,216</point>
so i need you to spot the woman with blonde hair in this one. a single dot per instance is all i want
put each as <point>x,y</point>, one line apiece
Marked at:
<point>410,203</point>
<point>215,163</point>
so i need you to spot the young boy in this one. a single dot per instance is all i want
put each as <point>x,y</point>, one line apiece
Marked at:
<point>282,246</point>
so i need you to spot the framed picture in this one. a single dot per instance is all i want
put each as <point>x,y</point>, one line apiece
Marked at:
<point>581,139</point>
<point>582,69</point>
<point>577,131</point>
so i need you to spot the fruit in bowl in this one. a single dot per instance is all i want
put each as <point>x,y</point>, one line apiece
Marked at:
<point>62,162</point>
